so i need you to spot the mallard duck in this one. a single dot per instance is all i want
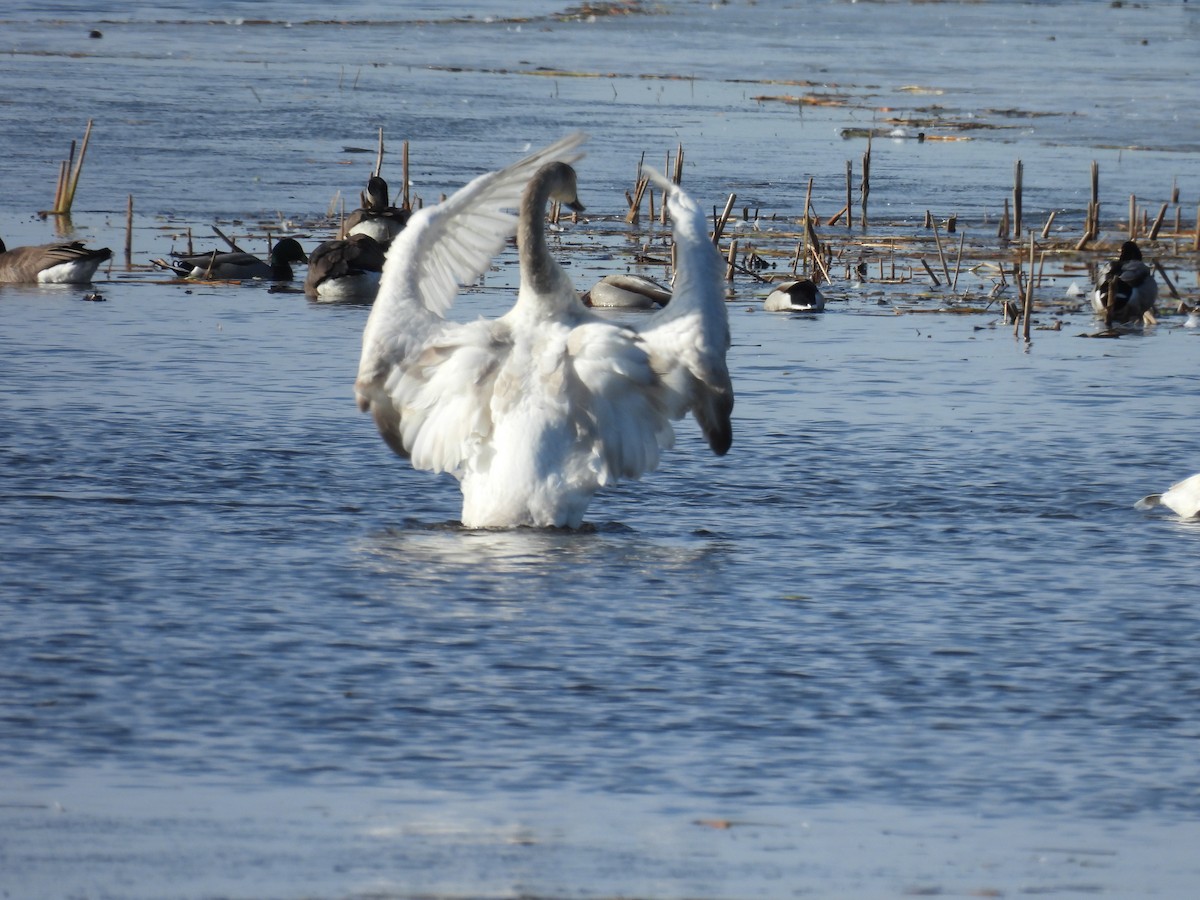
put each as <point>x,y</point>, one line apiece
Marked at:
<point>64,263</point>
<point>535,411</point>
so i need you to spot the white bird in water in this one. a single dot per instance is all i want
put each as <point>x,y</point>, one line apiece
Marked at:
<point>1182,498</point>
<point>535,411</point>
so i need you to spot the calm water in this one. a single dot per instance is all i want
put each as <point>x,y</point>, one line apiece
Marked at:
<point>910,635</point>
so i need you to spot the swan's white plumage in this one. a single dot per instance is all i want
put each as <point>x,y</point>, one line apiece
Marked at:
<point>1182,498</point>
<point>536,410</point>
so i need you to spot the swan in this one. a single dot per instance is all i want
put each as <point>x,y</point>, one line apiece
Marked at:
<point>1127,290</point>
<point>237,266</point>
<point>800,295</point>
<point>64,263</point>
<point>1182,498</point>
<point>376,217</point>
<point>533,412</point>
<point>627,292</point>
<point>345,270</point>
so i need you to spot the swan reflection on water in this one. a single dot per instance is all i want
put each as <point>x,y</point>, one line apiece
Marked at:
<point>577,559</point>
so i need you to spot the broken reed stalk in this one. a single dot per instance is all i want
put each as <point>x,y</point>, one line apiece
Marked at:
<point>932,275</point>
<point>723,220</point>
<point>849,193</point>
<point>941,253</point>
<point>129,232</point>
<point>814,248</point>
<point>1049,222</point>
<point>1196,239</point>
<point>1002,230</point>
<point>405,199</point>
<point>844,211</point>
<point>635,201</point>
<point>1158,220</point>
<point>1167,280</point>
<point>1132,217</point>
<point>1029,291</point>
<point>865,189</point>
<point>731,260</point>
<point>962,239</point>
<point>69,199</point>
<point>233,244</point>
<point>379,155</point>
<point>61,187</point>
<point>1018,178</point>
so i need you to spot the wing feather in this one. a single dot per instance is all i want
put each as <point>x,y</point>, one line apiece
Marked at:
<point>688,339</point>
<point>442,247</point>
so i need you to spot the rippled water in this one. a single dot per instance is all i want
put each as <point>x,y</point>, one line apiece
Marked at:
<point>909,635</point>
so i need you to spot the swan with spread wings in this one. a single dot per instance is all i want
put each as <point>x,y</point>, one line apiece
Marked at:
<point>535,411</point>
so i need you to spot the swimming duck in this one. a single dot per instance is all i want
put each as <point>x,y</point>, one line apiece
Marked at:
<point>535,411</point>
<point>65,263</point>
<point>1182,498</point>
<point>376,217</point>
<point>238,266</point>
<point>1127,290</point>
<point>800,295</point>
<point>627,292</point>
<point>345,270</point>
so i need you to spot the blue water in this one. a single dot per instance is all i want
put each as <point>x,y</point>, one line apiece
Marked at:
<point>917,584</point>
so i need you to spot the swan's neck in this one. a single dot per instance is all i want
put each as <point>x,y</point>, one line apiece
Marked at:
<point>545,287</point>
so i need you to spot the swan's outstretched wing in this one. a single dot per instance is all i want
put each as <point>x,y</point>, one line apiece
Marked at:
<point>442,247</point>
<point>689,338</point>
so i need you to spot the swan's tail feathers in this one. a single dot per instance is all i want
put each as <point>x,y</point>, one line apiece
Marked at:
<point>1149,502</point>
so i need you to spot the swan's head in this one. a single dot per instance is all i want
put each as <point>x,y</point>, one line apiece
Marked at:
<point>561,180</point>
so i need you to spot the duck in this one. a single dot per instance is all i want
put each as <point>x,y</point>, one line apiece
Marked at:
<point>1130,284</point>
<point>800,295</point>
<point>627,292</point>
<point>376,217</point>
<point>238,265</point>
<point>345,270</point>
<point>1182,498</point>
<point>536,410</point>
<point>62,263</point>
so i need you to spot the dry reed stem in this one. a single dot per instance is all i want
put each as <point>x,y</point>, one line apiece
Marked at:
<point>233,245</point>
<point>129,232</point>
<point>1049,222</point>
<point>1158,220</point>
<point>405,199</point>
<point>1018,187</point>
<point>1133,217</point>
<point>69,200</point>
<point>723,220</point>
<point>1166,278</point>
<point>962,239</point>
<point>379,155</point>
<point>932,276</point>
<point>941,253</point>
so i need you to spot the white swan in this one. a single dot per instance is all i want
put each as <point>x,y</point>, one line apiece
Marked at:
<point>1182,498</point>
<point>627,292</point>
<point>535,411</point>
